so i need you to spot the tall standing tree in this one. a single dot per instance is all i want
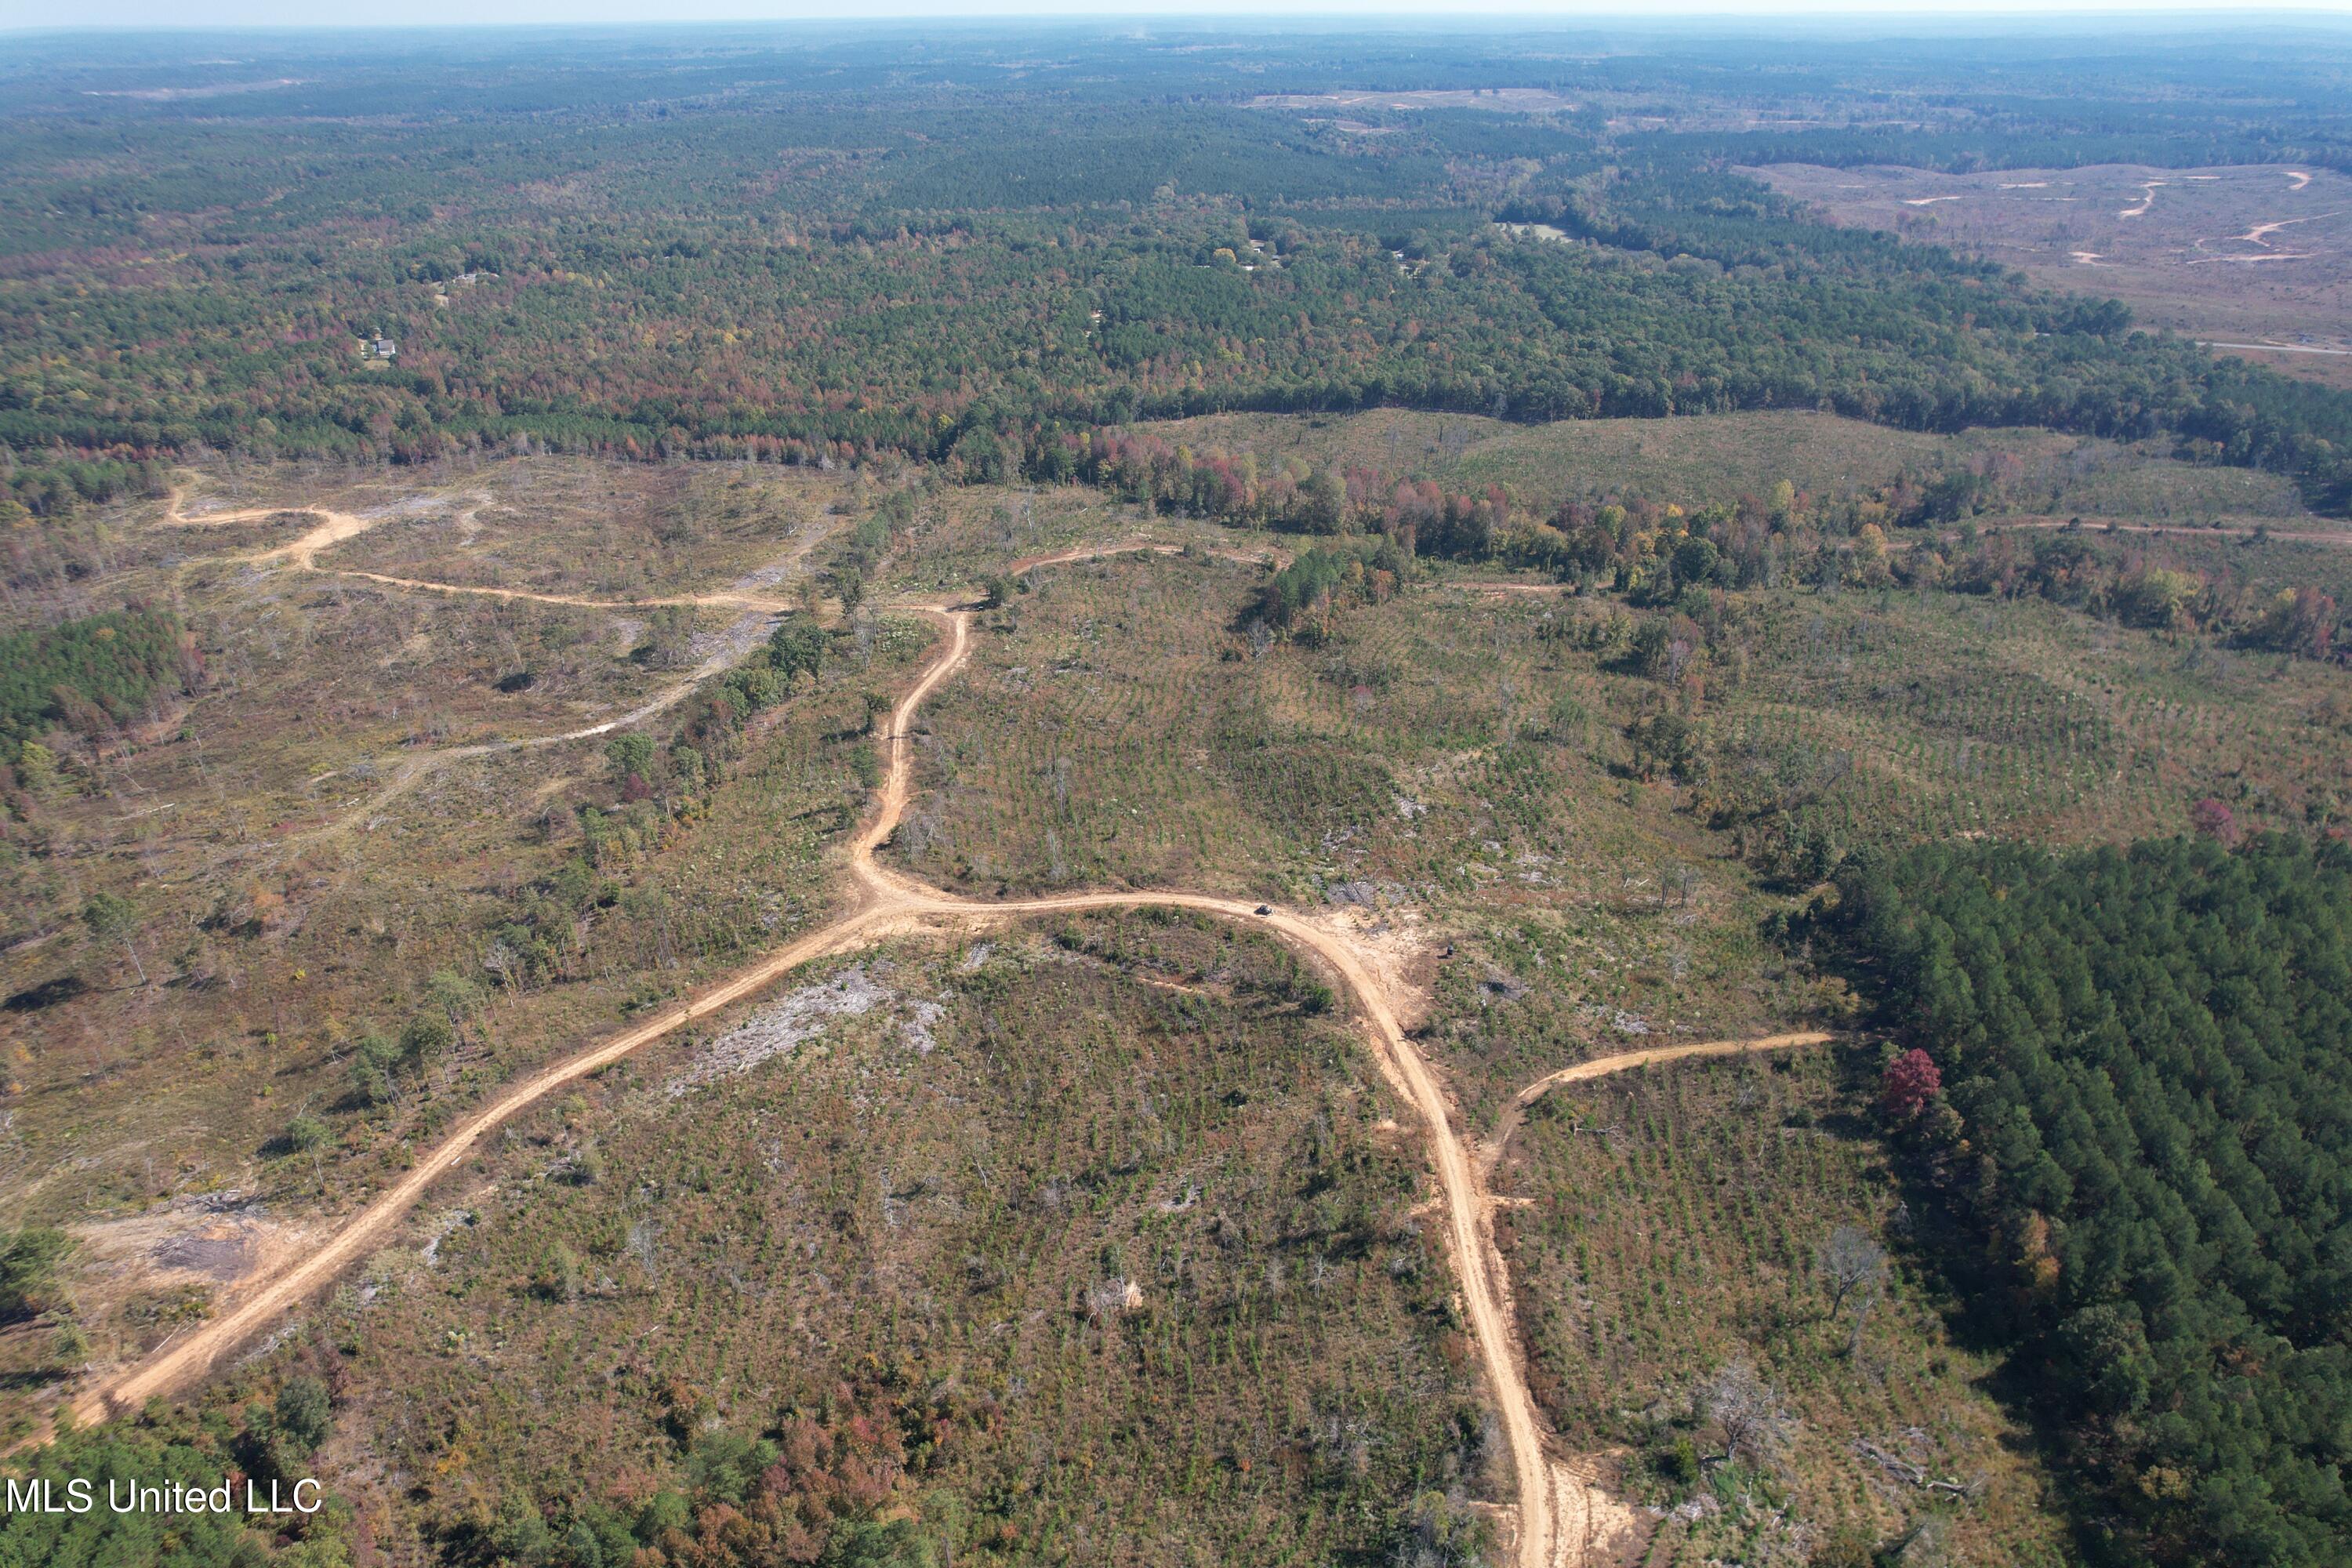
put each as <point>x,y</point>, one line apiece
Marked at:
<point>112,917</point>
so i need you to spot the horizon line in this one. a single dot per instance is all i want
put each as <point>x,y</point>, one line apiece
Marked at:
<point>1254,16</point>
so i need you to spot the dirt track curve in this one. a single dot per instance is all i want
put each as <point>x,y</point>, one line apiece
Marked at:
<point>1563,1516</point>
<point>1602,1066</point>
<point>335,527</point>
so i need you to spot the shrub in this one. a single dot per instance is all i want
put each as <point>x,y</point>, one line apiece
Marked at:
<point>2214,820</point>
<point>304,1412</point>
<point>29,1271</point>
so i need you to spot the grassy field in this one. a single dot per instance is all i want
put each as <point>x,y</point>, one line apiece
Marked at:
<point>1666,1223</point>
<point>1708,458</point>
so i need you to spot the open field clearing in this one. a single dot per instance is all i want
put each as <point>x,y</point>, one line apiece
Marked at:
<point>886,898</point>
<point>369,801</point>
<point>551,526</point>
<point>1929,719</point>
<point>1125,1260</point>
<point>1450,768</point>
<point>1437,770</point>
<point>1555,1502</point>
<point>885,903</point>
<point>1708,458</point>
<point>2238,257</point>
<point>271,954</point>
<point>1442,789</point>
<point>1665,1226</point>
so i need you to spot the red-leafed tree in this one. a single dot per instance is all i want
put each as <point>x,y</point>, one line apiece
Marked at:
<point>2215,821</point>
<point>1912,1080</point>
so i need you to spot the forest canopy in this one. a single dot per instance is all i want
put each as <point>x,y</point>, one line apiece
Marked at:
<point>2145,1124</point>
<point>958,258</point>
<point>90,674</point>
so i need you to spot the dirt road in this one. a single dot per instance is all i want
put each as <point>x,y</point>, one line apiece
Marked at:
<point>1270,556</point>
<point>1650,1054</point>
<point>1602,1066</point>
<point>415,769</point>
<point>336,527</point>
<point>888,903</point>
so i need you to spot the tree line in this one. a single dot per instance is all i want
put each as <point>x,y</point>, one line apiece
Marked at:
<point>2129,1098</point>
<point>998,312</point>
<point>1657,551</point>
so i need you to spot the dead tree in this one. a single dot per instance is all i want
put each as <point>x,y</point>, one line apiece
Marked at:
<point>1852,1262</point>
<point>1748,1412</point>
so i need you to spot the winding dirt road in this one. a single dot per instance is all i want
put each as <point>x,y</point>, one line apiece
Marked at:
<point>1563,1515</point>
<point>335,527</point>
<point>1602,1066</point>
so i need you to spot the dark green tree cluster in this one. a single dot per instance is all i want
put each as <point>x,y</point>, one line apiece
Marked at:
<point>28,1265</point>
<point>265,1442</point>
<point>92,674</point>
<point>50,483</point>
<point>2145,1124</point>
<point>1303,597</point>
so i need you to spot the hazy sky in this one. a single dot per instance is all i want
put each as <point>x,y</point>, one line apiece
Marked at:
<point>148,13</point>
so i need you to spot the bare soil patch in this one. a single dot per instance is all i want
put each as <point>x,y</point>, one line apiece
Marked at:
<point>2253,259</point>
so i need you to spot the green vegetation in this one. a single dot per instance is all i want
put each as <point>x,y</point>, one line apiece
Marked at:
<point>1432,754</point>
<point>177,1449</point>
<point>881,261</point>
<point>218,1446</point>
<point>2140,1126</point>
<point>1658,552</point>
<point>1718,459</point>
<point>1690,617</point>
<point>28,1265</point>
<point>1681,1223</point>
<point>1303,596</point>
<point>1868,716</point>
<point>50,485</point>
<point>1057,1239</point>
<point>91,675</point>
